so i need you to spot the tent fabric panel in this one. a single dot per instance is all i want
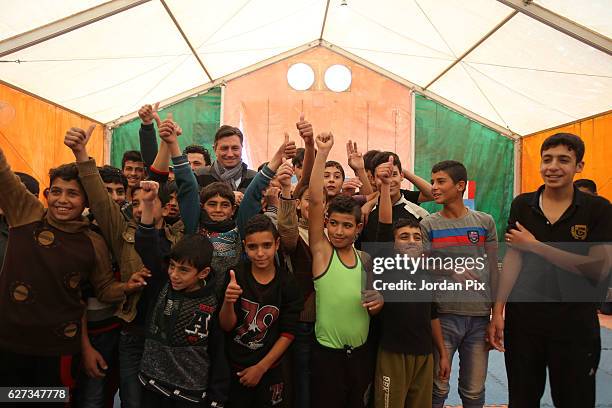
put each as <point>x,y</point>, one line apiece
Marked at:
<point>443,134</point>
<point>110,67</point>
<point>596,16</point>
<point>375,112</point>
<point>556,79</point>
<point>417,40</point>
<point>198,116</point>
<point>595,132</point>
<point>32,134</point>
<point>241,34</point>
<point>20,16</point>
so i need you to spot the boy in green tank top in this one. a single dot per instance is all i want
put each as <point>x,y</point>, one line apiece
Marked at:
<point>342,365</point>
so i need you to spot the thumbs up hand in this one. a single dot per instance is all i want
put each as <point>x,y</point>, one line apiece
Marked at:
<point>76,139</point>
<point>286,150</point>
<point>169,130</point>
<point>233,291</point>
<point>305,129</point>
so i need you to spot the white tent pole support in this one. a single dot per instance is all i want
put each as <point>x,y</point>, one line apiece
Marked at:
<point>412,131</point>
<point>66,25</point>
<point>498,128</point>
<point>222,107</point>
<point>560,23</point>
<point>518,157</point>
<point>180,29</point>
<point>108,139</point>
<point>473,47</point>
<point>220,81</point>
<point>324,20</point>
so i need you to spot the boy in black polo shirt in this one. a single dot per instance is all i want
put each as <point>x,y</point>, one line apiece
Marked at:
<point>543,327</point>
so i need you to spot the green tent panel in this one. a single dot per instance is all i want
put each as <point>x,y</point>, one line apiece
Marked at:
<point>443,134</point>
<point>198,116</point>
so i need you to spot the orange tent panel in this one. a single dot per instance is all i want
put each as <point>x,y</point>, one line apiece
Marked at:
<point>375,111</point>
<point>597,135</point>
<point>32,134</point>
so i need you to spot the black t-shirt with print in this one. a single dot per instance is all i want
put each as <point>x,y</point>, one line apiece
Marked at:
<point>264,313</point>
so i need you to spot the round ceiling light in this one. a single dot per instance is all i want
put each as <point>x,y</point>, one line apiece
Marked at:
<point>300,76</point>
<point>338,78</point>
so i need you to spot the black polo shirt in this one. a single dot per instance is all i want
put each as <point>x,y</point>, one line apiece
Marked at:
<point>547,299</point>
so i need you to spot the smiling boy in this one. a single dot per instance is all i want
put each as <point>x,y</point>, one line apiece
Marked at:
<point>342,364</point>
<point>260,311</point>
<point>543,329</point>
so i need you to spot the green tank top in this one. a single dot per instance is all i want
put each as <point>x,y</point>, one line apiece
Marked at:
<point>341,319</point>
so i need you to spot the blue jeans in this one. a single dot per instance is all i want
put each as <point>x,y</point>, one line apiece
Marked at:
<point>467,335</point>
<point>301,350</point>
<point>130,354</point>
<point>92,392</point>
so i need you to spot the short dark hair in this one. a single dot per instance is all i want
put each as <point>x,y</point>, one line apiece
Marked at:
<point>66,172</point>
<point>131,155</point>
<point>30,182</point>
<point>406,222</point>
<point>227,131</point>
<point>367,159</point>
<point>344,205</point>
<point>456,170</point>
<point>194,148</point>
<point>569,140</point>
<point>260,223</point>
<point>218,188</point>
<point>298,160</point>
<point>588,184</point>
<point>333,163</point>
<point>110,174</point>
<point>383,157</point>
<point>193,249</point>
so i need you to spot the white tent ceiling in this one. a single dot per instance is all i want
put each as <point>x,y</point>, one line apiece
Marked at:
<point>517,66</point>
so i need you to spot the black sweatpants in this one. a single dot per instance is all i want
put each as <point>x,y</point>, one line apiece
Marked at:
<point>572,364</point>
<point>270,392</point>
<point>341,378</point>
<point>23,370</point>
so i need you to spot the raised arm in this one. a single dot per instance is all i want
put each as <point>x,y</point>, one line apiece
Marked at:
<point>20,207</point>
<point>316,208</point>
<point>287,211</point>
<point>188,195</point>
<point>423,186</point>
<point>107,212</point>
<point>148,142</point>
<point>355,161</point>
<point>307,134</point>
<point>251,203</point>
<point>227,315</point>
<point>385,214</point>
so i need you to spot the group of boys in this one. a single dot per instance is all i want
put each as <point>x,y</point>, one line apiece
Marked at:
<point>208,284</point>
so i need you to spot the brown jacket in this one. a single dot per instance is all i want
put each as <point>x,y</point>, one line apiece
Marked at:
<point>40,282</point>
<point>118,232</point>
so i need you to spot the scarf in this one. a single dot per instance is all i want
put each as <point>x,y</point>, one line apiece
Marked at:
<point>229,176</point>
<point>215,226</point>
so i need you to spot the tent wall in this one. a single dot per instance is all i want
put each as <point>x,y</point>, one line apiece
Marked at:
<point>443,134</point>
<point>375,111</point>
<point>32,134</point>
<point>198,116</point>
<point>596,133</point>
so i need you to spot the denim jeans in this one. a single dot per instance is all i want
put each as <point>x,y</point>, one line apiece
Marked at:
<point>130,354</point>
<point>301,348</point>
<point>465,334</point>
<point>92,392</point>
